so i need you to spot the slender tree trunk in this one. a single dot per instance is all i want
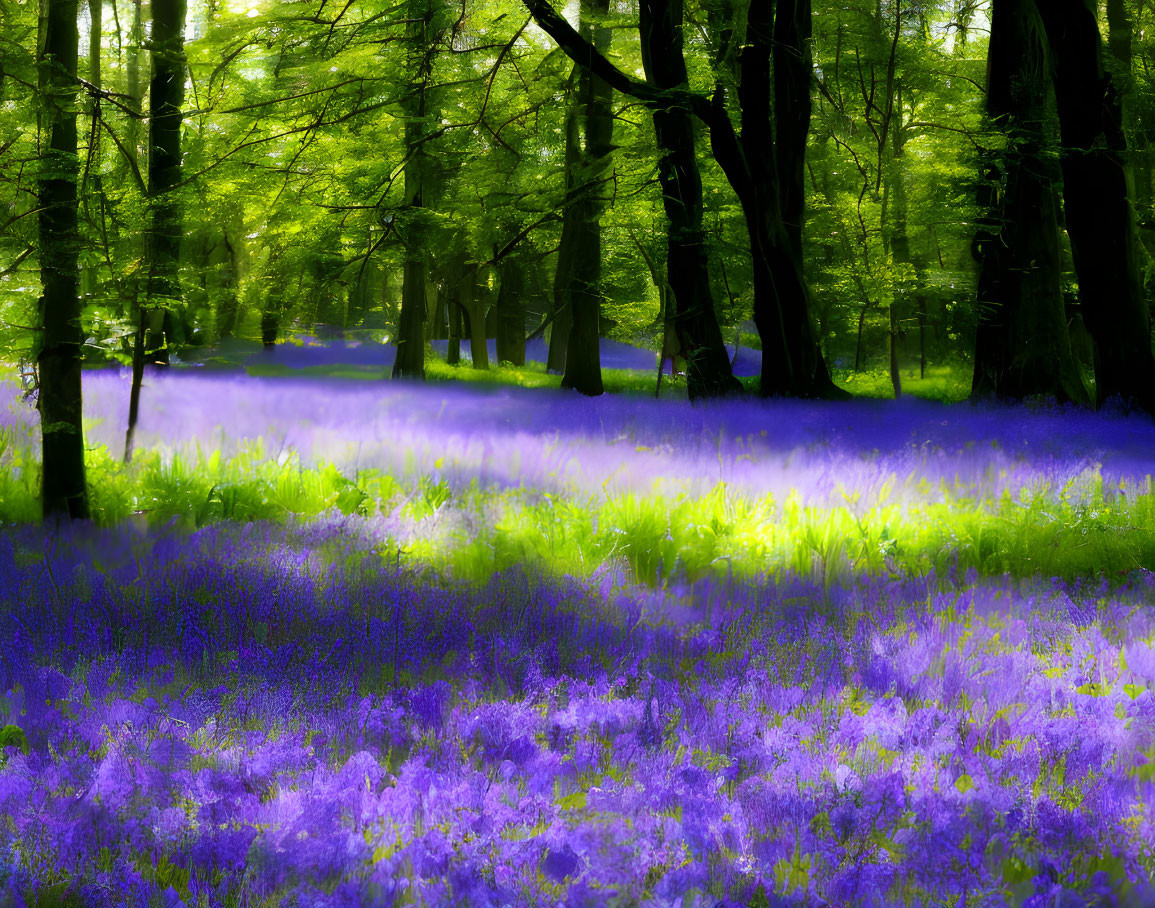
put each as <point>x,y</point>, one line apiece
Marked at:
<point>453,350</point>
<point>64,490</point>
<point>708,369</point>
<point>473,305</point>
<point>895,375</point>
<point>132,81</point>
<point>899,233</point>
<point>166,100</point>
<point>410,361</point>
<point>1022,345</point>
<point>137,380</point>
<point>922,335</point>
<point>861,327</point>
<point>95,39</point>
<point>162,242</point>
<point>455,281</point>
<point>1099,216</point>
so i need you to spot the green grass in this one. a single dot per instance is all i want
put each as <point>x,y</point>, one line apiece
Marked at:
<point>943,382</point>
<point>471,533</point>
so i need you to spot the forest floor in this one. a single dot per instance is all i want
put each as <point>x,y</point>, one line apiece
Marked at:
<point>625,368</point>
<point>342,643</point>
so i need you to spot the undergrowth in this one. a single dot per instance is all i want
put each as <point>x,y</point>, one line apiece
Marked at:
<point>1082,528</point>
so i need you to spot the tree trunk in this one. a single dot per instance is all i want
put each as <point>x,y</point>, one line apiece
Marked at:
<point>563,274</point>
<point>792,360</point>
<point>583,371</point>
<point>1022,346</point>
<point>1100,220</point>
<point>895,375</point>
<point>64,490</point>
<point>162,239</point>
<point>708,370</point>
<point>511,314</point>
<point>132,82</point>
<point>165,99</point>
<point>861,327</point>
<point>435,307</point>
<point>453,349</point>
<point>473,305</point>
<point>410,361</point>
<point>772,195</point>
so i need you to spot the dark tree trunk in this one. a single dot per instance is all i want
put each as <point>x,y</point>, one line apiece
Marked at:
<point>895,375</point>
<point>1120,43</point>
<point>435,307</point>
<point>410,361</point>
<point>166,99</point>
<point>453,349</point>
<point>708,370</point>
<point>583,370</point>
<point>861,328</point>
<point>1022,346</point>
<point>134,387</point>
<point>229,272</point>
<point>162,240</point>
<point>570,231</point>
<point>792,360</point>
<point>511,314</point>
<point>455,279</point>
<point>271,322</point>
<point>473,306</point>
<point>773,194</point>
<point>1099,217</point>
<point>64,490</point>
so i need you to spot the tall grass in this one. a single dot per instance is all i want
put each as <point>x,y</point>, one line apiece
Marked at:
<point>1079,528</point>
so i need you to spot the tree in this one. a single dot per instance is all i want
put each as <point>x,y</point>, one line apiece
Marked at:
<point>695,321</point>
<point>420,34</point>
<point>1099,214</point>
<point>792,359</point>
<point>58,358</point>
<point>583,370</point>
<point>163,236</point>
<point>1022,345</point>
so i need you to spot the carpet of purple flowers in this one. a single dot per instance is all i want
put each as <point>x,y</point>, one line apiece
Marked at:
<point>287,713</point>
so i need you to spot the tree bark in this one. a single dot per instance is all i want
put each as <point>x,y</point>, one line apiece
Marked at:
<point>1099,216</point>
<point>162,242</point>
<point>64,489</point>
<point>708,370</point>
<point>453,347</point>
<point>563,273</point>
<point>410,360</point>
<point>472,302</point>
<point>1022,345</point>
<point>792,360</point>
<point>511,313</point>
<point>166,100</point>
<point>583,369</point>
<point>132,82</point>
